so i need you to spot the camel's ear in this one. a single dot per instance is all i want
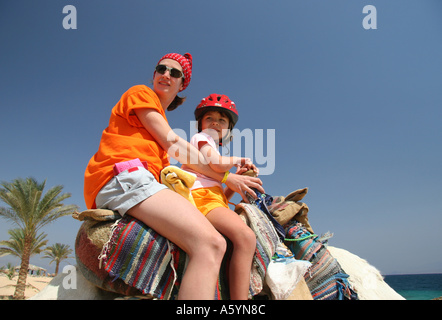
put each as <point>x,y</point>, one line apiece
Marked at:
<point>296,195</point>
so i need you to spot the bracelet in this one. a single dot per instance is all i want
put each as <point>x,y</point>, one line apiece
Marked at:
<point>225,177</point>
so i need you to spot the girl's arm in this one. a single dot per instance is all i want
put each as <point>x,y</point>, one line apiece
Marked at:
<point>184,152</point>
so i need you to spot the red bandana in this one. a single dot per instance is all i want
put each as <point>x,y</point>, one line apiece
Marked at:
<point>185,62</point>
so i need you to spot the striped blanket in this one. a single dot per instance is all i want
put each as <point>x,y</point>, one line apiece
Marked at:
<point>142,258</point>
<point>145,260</point>
<point>267,240</point>
<point>326,279</point>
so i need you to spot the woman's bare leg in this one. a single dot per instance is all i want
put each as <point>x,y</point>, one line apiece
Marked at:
<point>178,220</point>
<point>243,239</point>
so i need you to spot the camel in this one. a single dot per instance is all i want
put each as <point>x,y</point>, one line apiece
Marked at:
<point>366,280</point>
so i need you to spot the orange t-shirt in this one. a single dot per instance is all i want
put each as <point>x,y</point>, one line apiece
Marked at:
<point>125,139</point>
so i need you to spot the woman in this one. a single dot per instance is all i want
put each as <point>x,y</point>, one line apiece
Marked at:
<point>116,179</point>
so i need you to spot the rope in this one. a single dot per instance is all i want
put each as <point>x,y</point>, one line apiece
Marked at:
<point>300,239</point>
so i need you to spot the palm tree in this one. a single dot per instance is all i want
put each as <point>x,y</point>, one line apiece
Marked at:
<point>9,270</point>
<point>31,210</point>
<point>57,252</point>
<point>15,245</point>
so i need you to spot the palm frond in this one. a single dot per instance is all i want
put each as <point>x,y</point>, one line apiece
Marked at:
<point>29,207</point>
<point>15,245</point>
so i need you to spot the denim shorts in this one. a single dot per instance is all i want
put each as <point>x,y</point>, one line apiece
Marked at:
<point>128,189</point>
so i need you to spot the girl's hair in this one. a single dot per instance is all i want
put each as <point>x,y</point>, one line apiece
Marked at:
<point>226,114</point>
<point>177,101</point>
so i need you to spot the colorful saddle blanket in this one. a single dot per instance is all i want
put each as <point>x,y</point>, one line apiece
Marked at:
<point>325,279</point>
<point>143,259</point>
<point>137,257</point>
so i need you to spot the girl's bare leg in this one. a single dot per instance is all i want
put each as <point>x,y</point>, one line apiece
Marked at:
<point>178,220</point>
<point>243,239</point>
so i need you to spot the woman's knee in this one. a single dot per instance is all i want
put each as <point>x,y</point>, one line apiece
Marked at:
<point>217,245</point>
<point>211,247</point>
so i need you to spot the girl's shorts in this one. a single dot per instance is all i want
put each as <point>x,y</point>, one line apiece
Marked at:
<point>128,189</point>
<point>207,199</point>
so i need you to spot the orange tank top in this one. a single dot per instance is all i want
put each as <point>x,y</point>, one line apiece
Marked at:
<point>125,139</point>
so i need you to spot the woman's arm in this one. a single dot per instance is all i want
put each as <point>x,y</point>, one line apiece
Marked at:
<point>219,163</point>
<point>241,170</point>
<point>185,153</point>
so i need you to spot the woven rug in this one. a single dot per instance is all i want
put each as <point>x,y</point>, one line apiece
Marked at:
<point>325,279</point>
<point>267,240</point>
<point>141,258</point>
<point>89,242</point>
<point>145,260</point>
<point>129,258</point>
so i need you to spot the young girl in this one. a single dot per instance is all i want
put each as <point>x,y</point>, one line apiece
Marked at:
<point>216,116</point>
<point>138,132</point>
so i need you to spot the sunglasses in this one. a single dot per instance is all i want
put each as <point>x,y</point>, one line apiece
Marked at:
<point>161,69</point>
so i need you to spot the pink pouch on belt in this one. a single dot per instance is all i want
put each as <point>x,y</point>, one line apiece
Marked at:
<point>126,165</point>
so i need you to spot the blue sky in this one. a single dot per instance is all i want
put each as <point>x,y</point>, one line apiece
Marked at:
<point>356,113</point>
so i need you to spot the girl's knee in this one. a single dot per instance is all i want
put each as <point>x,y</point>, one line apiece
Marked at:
<point>251,238</point>
<point>245,239</point>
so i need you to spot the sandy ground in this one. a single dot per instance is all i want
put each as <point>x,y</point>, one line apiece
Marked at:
<point>34,285</point>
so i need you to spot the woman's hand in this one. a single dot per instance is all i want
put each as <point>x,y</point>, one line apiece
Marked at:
<point>246,167</point>
<point>244,184</point>
<point>242,161</point>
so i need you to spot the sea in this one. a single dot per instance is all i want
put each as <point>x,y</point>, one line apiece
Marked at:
<point>416,286</point>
